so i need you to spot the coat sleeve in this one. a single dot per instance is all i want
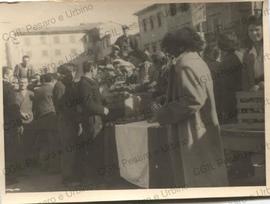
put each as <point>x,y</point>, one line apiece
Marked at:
<point>118,41</point>
<point>58,93</point>
<point>248,72</point>
<point>88,102</point>
<point>16,71</point>
<point>192,96</point>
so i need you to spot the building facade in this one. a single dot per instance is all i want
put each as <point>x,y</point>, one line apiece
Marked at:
<point>47,49</point>
<point>99,40</point>
<point>207,18</point>
<point>153,26</point>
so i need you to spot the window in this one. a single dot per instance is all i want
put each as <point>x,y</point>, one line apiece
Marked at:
<point>184,7</point>
<point>73,51</point>
<point>27,41</point>
<point>173,9</point>
<point>159,20</point>
<point>43,39</point>
<point>56,39</point>
<point>44,53</point>
<point>72,39</point>
<point>151,22</point>
<point>57,52</point>
<point>144,25</point>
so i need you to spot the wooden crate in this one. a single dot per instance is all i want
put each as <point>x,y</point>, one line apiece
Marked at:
<point>250,106</point>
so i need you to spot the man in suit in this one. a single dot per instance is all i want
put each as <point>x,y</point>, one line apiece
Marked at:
<point>24,69</point>
<point>64,98</point>
<point>92,108</point>
<point>90,100</point>
<point>45,116</point>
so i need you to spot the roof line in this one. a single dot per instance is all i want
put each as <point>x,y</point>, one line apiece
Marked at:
<point>145,9</point>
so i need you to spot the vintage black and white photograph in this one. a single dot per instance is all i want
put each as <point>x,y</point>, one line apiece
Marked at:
<point>115,95</point>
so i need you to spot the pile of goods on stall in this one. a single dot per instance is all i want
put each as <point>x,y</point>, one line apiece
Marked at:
<point>126,102</point>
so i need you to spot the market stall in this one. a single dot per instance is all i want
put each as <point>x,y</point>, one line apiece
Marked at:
<point>248,135</point>
<point>136,148</point>
<point>143,154</point>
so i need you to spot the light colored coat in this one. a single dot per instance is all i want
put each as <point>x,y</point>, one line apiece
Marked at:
<point>193,124</point>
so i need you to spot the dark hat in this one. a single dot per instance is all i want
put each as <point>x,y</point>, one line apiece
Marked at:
<point>254,20</point>
<point>64,70</point>
<point>125,27</point>
<point>88,63</point>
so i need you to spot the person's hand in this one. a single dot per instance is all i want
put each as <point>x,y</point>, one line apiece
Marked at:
<point>255,88</point>
<point>27,116</point>
<point>106,111</point>
<point>153,84</point>
<point>261,85</point>
<point>24,115</point>
<point>80,130</point>
<point>20,130</point>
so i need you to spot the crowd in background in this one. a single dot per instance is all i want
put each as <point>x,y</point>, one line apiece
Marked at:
<point>49,112</point>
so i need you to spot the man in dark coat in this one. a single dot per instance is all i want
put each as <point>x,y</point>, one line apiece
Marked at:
<point>64,98</point>
<point>91,101</point>
<point>44,113</point>
<point>12,126</point>
<point>91,108</point>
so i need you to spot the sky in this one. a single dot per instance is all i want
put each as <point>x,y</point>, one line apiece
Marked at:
<point>31,13</point>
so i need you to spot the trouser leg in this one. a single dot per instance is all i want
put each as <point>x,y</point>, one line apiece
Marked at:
<point>67,134</point>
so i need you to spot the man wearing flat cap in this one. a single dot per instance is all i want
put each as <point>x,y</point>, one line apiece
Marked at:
<point>124,42</point>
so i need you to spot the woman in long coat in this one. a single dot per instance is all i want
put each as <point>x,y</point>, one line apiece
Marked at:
<point>190,113</point>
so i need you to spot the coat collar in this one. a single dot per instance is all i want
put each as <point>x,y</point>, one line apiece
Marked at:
<point>191,55</point>
<point>92,81</point>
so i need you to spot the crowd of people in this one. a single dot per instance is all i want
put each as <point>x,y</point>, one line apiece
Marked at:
<point>49,112</point>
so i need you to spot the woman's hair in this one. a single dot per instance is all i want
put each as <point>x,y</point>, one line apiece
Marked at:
<point>184,39</point>
<point>255,20</point>
<point>252,20</point>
